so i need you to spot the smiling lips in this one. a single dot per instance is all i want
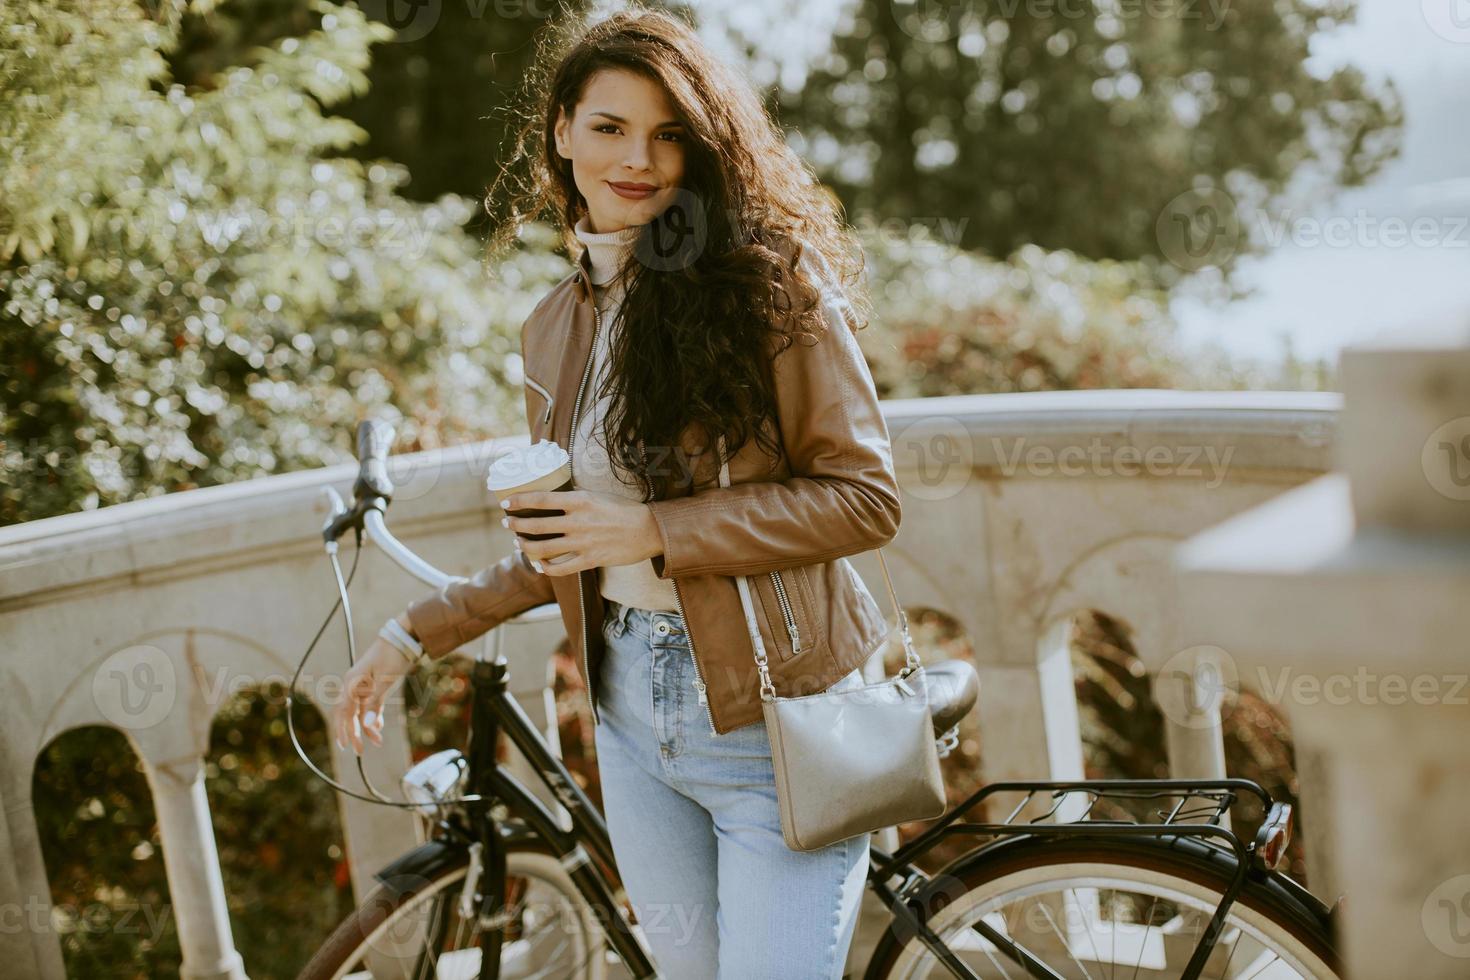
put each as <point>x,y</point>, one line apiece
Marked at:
<point>634,192</point>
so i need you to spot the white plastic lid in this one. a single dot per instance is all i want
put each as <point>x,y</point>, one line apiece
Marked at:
<point>519,466</point>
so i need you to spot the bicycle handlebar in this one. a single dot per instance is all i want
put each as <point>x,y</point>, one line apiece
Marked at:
<point>372,492</point>
<point>374,438</point>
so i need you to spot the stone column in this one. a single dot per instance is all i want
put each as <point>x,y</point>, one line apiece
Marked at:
<point>1352,588</point>
<point>194,882</point>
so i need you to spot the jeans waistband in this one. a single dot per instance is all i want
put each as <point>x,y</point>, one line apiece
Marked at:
<point>629,617</point>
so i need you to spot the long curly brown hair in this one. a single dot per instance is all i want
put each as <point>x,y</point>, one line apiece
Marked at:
<point>713,287</point>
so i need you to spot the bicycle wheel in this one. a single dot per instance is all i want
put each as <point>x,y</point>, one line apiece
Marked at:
<point>413,931</point>
<point>1110,908</point>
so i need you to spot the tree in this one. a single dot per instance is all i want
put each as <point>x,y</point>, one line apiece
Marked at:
<point>1073,125</point>
<point>194,291</point>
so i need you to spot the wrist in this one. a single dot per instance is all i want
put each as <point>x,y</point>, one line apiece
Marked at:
<point>399,638</point>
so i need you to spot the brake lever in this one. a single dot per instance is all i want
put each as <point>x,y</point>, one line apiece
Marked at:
<point>336,508</point>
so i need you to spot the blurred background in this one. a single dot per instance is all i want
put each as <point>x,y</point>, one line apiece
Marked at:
<point>228,230</point>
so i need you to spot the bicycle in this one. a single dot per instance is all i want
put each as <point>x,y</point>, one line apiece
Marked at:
<point>502,890</point>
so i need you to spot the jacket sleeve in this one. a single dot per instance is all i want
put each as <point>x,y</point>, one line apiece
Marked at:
<point>463,610</point>
<point>843,498</point>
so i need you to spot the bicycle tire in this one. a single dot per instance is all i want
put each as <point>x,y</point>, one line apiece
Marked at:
<point>995,867</point>
<point>392,902</point>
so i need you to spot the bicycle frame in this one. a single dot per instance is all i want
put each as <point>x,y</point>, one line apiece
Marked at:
<point>1222,792</point>
<point>493,710</point>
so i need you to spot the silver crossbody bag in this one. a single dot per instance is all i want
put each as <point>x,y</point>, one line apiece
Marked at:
<point>853,760</point>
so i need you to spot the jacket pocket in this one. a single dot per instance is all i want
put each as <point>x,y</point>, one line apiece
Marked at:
<point>536,388</point>
<point>790,612</point>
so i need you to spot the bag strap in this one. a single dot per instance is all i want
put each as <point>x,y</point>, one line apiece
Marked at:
<point>768,690</point>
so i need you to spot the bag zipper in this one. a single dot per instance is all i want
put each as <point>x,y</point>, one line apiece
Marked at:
<point>688,626</point>
<point>786,612</point>
<point>571,439</point>
<point>534,385</point>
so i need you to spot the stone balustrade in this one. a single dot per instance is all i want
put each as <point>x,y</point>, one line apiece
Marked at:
<point>1020,512</point>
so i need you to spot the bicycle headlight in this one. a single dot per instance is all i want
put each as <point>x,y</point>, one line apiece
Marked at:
<point>439,779</point>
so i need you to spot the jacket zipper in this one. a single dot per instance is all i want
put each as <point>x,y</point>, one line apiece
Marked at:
<point>571,440</point>
<point>787,613</point>
<point>536,386</point>
<point>688,626</point>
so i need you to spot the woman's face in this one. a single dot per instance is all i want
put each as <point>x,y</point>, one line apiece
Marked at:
<point>623,133</point>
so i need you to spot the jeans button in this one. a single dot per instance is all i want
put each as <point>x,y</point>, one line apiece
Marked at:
<point>662,629</point>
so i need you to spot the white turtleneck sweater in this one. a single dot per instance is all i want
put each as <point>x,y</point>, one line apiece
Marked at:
<point>632,585</point>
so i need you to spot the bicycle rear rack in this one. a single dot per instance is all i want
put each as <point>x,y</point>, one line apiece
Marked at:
<point>1197,809</point>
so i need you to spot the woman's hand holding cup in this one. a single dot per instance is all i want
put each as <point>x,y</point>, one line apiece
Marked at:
<point>562,530</point>
<point>569,531</point>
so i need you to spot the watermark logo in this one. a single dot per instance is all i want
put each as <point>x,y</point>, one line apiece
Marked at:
<point>1194,684</point>
<point>934,457</point>
<point>411,19</point>
<point>1098,459</point>
<point>1199,229</point>
<point>1446,459</point>
<point>1203,229</point>
<point>1445,916</point>
<point>679,234</point>
<point>1450,19</point>
<point>135,687</point>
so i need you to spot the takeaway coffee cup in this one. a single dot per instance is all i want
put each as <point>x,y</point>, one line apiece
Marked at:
<point>541,466</point>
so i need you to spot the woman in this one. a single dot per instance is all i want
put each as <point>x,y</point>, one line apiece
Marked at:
<point>703,324</point>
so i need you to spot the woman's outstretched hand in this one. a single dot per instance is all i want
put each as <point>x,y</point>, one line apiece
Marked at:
<point>365,688</point>
<point>598,529</point>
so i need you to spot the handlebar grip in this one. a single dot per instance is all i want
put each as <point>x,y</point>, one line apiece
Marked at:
<point>374,438</point>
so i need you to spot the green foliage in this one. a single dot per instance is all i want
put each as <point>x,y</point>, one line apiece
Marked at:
<point>1072,126</point>
<point>111,907</point>
<point>280,845</point>
<point>193,292</point>
<point>948,322</point>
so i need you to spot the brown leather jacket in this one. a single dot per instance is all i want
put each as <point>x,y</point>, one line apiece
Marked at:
<point>833,493</point>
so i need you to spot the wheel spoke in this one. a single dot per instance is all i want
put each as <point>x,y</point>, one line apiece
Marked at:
<point>433,939</point>
<point>1066,944</point>
<point>1148,923</point>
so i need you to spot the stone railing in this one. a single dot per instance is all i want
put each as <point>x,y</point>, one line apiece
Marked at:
<point>1357,586</point>
<point>1020,512</point>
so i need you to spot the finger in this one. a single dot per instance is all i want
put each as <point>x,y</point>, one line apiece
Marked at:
<point>568,565</point>
<point>354,719</point>
<point>544,500</point>
<point>342,715</point>
<point>373,716</point>
<point>549,524</point>
<point>541,549</point>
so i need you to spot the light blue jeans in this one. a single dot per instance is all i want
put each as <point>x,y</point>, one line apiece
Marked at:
<point>695,828</point>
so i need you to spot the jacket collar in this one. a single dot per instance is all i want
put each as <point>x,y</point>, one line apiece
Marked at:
<point>584,275</point>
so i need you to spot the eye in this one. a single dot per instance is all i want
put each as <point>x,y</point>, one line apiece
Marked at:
<point>678,137</point>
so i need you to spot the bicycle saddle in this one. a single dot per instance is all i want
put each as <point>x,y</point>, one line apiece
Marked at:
<point>953,687</point>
